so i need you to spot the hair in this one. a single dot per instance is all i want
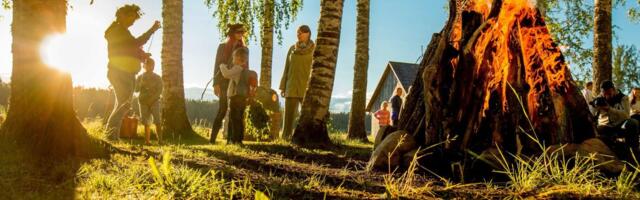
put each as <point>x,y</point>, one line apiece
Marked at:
<point>242,53</point>
<point>384,103</point>
<point>633,96</point>
<point>231,28</point>
<point>149,62</point>
<point>608,84</point>
<point>589,84</point>
<point>127,10</point>
<point>305,29</point>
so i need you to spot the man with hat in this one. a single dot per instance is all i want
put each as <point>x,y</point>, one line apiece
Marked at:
<point>235,40</point>
<point>613,118</point>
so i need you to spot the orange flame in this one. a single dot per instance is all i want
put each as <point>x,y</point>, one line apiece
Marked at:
<point>515,44</point>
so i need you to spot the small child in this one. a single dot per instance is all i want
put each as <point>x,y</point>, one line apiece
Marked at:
<point>383,115</point>
<point>149,85</point>
<point>240,89</point>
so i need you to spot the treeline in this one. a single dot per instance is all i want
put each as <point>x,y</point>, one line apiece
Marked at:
<point>339,122</point>
<point>92,103</point>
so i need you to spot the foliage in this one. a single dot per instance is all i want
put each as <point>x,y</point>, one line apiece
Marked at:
<point>248,12</point>
<point>571,24</point>
<point>6,4</point>
<point>625,67</point>
<point>257,121</point>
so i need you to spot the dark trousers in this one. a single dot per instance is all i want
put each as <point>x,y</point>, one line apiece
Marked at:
<point>237,105</point>
<point>222,112</point>
<point>394,119</point>
<point>123,84</point>
<point>627,130</point>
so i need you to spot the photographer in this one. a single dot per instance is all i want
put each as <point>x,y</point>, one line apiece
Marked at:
<point>613,118</point>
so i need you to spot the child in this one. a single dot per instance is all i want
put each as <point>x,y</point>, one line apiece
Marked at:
<point>383,115</point>
<point>240,89</point>
<point>149,85</point>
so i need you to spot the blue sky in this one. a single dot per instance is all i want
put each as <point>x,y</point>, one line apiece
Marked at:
<point>400,30</point>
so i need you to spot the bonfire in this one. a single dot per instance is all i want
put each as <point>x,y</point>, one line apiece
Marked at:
<point>493,78</point>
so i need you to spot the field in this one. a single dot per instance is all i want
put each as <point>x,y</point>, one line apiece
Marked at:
<point>193,169</point>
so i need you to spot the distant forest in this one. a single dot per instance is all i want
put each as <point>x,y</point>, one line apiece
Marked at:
<point>93,103</point>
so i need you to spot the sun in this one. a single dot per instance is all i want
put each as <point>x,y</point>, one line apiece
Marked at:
<point>56,52</point>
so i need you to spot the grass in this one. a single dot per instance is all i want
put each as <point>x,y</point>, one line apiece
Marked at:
<point>554,174</point>
<point>194,169</point>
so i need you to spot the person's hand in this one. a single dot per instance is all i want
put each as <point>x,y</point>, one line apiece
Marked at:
<point>156,25</point>
<point>216,90</point>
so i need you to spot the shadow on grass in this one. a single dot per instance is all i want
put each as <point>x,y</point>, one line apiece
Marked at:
<point>337,156</point>
<point>24,175</point>
<point>265,166</point>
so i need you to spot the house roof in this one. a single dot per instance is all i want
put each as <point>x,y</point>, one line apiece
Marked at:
<point>405,73</point>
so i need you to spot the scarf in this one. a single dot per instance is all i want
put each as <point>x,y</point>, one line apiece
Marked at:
<point>303,48</point>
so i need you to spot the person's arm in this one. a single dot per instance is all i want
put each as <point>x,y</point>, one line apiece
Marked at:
<point>234,71</point>
<point>217,77</point>
<point>285,73</point>
<point>622,112</point>
<point>142,39</point>
<point>138,83</point>
<point>159,87</point>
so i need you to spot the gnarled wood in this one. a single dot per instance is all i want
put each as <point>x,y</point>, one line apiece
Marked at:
<point>489,77</point>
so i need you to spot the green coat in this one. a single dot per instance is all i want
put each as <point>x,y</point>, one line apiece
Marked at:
<point>297,70</point>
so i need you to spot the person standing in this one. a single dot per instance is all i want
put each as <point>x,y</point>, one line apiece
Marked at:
<point>235,40</point>
<point>396,106</point>
<point>149,85</point>
<point>125,55</point>
<point>295,77</point>
<point>588,95</point>
<point>240,89</point>
<point>382,115</point>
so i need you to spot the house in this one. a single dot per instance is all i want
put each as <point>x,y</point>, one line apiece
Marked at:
<point>395,75</point>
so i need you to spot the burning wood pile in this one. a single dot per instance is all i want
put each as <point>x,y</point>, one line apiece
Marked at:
<point>493,78</point>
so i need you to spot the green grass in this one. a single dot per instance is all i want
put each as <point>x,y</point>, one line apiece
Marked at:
<point>192,168</point>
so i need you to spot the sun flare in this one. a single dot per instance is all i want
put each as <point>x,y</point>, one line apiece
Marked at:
<point>56,52</point>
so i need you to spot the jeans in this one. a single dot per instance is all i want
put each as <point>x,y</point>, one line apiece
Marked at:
<point>291,106</point>
<point>123,84</point>
<point>394,118</point>
<point>237,105</point>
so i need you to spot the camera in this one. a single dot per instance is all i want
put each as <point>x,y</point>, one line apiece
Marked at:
<point>599,102</point>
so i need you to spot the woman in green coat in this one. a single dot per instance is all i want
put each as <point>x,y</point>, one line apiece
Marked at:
<point>295,77</point>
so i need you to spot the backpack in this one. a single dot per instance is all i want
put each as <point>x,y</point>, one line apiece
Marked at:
<point>248,81</point>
